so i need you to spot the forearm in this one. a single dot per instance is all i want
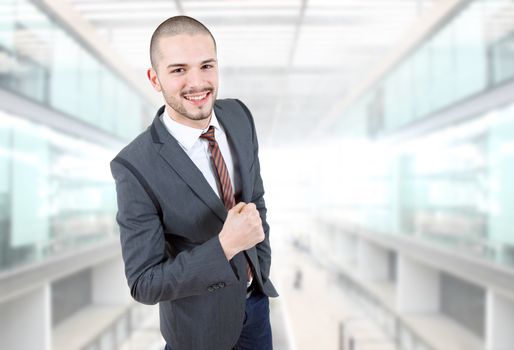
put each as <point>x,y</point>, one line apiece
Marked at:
<point>190,273</point>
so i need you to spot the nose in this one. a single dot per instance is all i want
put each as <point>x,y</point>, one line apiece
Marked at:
<point>194,79</point>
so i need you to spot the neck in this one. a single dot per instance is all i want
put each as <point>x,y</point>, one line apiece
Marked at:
<point>196,124</point>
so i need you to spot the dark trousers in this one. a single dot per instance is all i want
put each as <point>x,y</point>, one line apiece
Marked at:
<point>256,333</point>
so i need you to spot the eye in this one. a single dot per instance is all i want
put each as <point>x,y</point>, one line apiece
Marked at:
<point>207,66</point>
<point>177,70</point>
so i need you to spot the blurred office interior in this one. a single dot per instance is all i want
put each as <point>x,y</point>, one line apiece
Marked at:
<point>386,131</point>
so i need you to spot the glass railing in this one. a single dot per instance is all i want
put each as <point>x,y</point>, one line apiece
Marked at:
<point>403,336</point>
<point>56,192</point>
<point>452,188</point>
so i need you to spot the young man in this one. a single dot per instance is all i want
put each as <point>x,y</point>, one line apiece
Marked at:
<point>191,210</point>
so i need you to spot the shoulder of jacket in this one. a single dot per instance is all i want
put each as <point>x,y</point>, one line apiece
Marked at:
<point>235,106</point>
<point>136,146</point>
<point>226,102</point>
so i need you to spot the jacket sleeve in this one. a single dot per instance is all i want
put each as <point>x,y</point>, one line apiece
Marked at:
<point>151,274</point>
<point>264,247</point>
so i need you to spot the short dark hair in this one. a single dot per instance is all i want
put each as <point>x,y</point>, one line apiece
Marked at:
<point>174,26</point>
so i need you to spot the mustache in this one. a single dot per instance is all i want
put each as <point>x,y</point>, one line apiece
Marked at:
<point>199,90</point>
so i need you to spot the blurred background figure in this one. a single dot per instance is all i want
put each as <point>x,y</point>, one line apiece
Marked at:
<point>387,148</point>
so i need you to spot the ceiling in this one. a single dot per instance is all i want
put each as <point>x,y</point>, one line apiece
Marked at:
<point>288,60</point>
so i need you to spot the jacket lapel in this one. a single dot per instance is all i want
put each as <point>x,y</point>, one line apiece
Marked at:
<point>234,127</point>
<point>177,159</point>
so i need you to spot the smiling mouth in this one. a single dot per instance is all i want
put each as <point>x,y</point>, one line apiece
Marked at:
<point>198,98</point>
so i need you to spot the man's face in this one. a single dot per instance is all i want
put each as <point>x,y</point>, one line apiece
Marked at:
<point>187,75</point>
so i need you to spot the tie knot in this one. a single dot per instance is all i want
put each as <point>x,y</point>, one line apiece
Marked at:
<point>209,134</point>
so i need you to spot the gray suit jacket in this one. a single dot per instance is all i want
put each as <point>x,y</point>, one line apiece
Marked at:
<point>169,220</point>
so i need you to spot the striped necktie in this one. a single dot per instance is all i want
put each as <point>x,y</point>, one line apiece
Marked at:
<point>227,193</point>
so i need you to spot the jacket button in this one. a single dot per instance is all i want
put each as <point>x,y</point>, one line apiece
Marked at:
<point>210,289</point>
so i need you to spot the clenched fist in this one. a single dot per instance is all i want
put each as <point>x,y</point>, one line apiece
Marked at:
<point>242,229</point>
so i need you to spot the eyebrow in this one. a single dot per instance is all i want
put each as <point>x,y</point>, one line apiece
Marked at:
<point>210,60</point>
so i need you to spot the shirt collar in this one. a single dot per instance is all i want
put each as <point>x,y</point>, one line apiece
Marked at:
<point>186,135</point>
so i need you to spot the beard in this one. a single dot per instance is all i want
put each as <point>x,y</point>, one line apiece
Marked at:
<point>191,112</point>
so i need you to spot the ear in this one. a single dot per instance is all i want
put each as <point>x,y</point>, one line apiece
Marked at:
<point>152,76</point>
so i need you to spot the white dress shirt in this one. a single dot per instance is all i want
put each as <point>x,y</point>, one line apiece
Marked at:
<point>198,150</point>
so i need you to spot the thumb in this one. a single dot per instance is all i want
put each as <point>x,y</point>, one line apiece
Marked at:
<point>237,208</point>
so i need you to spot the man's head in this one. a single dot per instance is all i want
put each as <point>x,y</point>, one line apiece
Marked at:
<point>184,68</point>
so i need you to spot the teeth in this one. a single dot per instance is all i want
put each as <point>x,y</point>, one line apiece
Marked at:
<point>196,98</point>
